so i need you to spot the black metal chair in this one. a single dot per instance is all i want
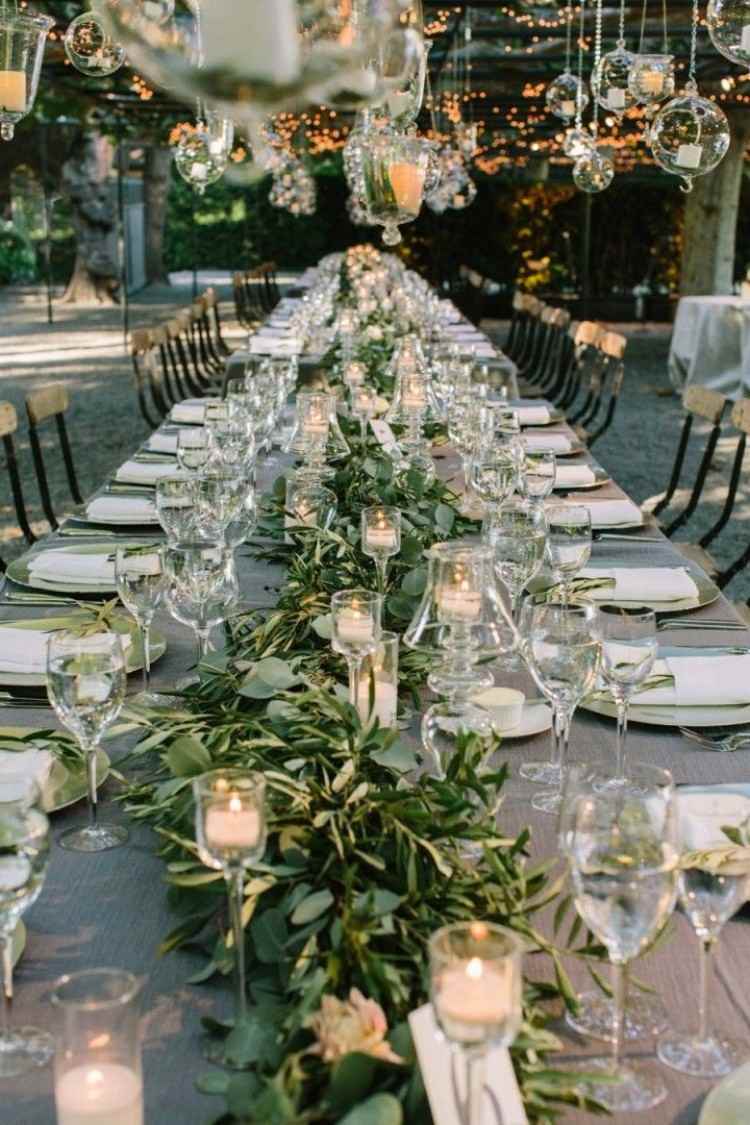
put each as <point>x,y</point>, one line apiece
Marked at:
<point>8,427</point>
<point>151,401</point>
<point>212,309</point>
<point>740,419</point>
<point>46,405</point>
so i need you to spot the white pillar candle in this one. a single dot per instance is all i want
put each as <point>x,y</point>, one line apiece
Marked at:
<point>568,107</point>
<point>99,1094</point>
<point>355,626</point>
<point>230,825</point>
<point>382,537</point>
<point>254,38</point>
<point>689,156</point>
<point>354,374</point>
<point>460,604</point>
<point>13,90</point>
<point>385,704</point>
<point>616,98</point>
<point>651,81</point>
<point>472,998</point>
<point>407,182</point>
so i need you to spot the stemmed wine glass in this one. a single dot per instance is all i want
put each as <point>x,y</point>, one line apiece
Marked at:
<point>24,832</point>
<point>86,678</point>
<point>538,477</point>
<point>139,573</point>
<point>356,617</point>
<point>629,649</point>
<point>562,650</point>
<point>493,475</point>
<point>230,829</point>
<point>175,506</point>
<point>475,988</point>
<point>568,544</point>
<point>201,586</point>
<point>193,448</point>
<point>219,497</point>
<point>623,855</point>
<point>518,537</point>
<point>381,538</point>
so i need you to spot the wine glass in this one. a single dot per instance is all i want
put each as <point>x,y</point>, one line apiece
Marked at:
<point>381,538</point>
<point>710,892</point>
<point>230,829</point>
<point>493,476</point>
<point>139,573</point>
<point>193,448</point>
<point>201,586</point>
<point>229,444</point>
<point>568,544</point>
<point>562,649</point>
<point>623,855</point>
<point>476,992</point>
<point>24,832</point>
<point>175,506</point>
<point>219,497</point>
<point>86,686</point>
<point>356,617</point>
<point>629,649</point>
<point>538,477</point>
<point>518,537</point>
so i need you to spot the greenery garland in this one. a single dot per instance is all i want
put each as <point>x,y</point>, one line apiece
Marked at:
<point>361,865</point>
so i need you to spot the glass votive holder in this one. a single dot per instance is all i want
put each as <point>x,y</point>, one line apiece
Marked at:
<point>308,504</point>
<point>381,537</point>
<point>355,374</point>
<point>459,581</point>
<point>230,819</point>
<point>356,617</point>
<point>377,694</point>
<point>98,1058</point>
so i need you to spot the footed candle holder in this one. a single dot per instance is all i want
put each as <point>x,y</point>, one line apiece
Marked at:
<point>23,37</point>
<point>363,407</point>
<point>381,538</point>
<point>230,829</point>
<point>356,617</point>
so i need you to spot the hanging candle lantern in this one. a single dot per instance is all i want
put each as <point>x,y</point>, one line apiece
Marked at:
<point>395,168</point>
<point>651,78</point>
<point>728,23</point>
<point>90,47</point>
<point>609,80</point>
<point>593,172</point>
<point>566,95</point>
<point>22,41</point>
<point>690,135</point>
<point>195,160</point>
<point>577,142</point>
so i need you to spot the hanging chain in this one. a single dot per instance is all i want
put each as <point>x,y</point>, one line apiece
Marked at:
<point>643,26</point>
<point>597,59</point>
<point>467,80</point>
<point>568,33</point>
<point>665,35</point>
<point>621,40</point>
<point>693,41</point>
<point>579,92</point>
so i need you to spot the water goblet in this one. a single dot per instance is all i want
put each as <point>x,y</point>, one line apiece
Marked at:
<point>24,831</point>
<point>518,537</point>
<point>562,649</point>
<point>175,506</point>
<point>475,988</point>
<point>219,496</point>
<point>86,685</point>
<point>381,538</point>
<point>230,830</point>
<point>201,586</point>
<point>568,544</point>
<point>537,480</point>
<point>139,573</point>
<point>356,617</point>
<point>228,440</point>
<point>629,649</point>
<point>193,448</point>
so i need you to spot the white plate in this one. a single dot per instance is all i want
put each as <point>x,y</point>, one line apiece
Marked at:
<point>727,1103</point>
<point>736,715</point>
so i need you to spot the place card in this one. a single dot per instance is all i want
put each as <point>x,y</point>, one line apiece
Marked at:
<point>444,1077</point>
<point>385,436</point>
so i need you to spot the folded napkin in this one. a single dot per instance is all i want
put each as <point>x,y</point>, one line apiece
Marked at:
<point>162,443</point>
<point>275,345</point>
<point>703,815</point>
<point>657,583</point>
<point>189,413</point>
<point>533,415</point>
<point>143,472</point>
<point>121,509</point>
<point>96,571</point>
<point>611,513</point>
<point>700,681</point>
<point>23,650</point>
<point>574,476</point>
<point>547,443</point>
<point>20,765</point>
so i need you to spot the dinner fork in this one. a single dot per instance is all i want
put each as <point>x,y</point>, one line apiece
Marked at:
<point>699,623</point>
<point>723,743</point>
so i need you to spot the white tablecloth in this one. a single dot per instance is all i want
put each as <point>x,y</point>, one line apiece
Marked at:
<point>711,344</point>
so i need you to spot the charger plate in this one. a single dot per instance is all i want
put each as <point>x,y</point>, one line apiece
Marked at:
<point>66,784</point>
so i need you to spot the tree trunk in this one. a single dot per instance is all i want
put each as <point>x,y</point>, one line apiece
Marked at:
<point>711,220</point>
<point>156,177</point>
<point>86,180</point>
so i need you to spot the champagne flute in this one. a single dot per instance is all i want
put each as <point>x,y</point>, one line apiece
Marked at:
<point>568,544</point>
<point>24,832</point>
<point>475,988</point>
<point>562,651</point>
<point>175,506</point>
<point>86,686</point>
<point>139,572</point>
<point>356,617</point>
<point>629,649</point>
<point>623,854</point>
<point>193,448</point>
<point>381,538</point>
<point>230,829</point>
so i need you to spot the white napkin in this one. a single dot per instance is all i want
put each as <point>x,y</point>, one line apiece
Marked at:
<point>121,509</point>
<point>702,816</point>
<point>700,681</point>
<point>611,513</point>
<point>533,415</point>
<point>23,650</point>
<point>143,472</point>
<point>657,583</point>
<point>187,413</point>
<point>271,345</point>
<point>96,571</point>
<point>574,476</point>
<point>547,443</point>
<point>16,765</point>
<point>162,443</point>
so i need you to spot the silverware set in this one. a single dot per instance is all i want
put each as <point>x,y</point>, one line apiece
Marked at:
<point>700,623</point>
<point>720,741</point>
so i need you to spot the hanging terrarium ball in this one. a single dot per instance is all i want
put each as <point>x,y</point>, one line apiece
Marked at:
<point>577,143</point>
<point>690,135</point>
<point>651,78</point>
<point>609,80</point>
<point>566,95</point>
<point>728,23</point>
<point>90,47</point>
<point>157,11</point>
<point>194,159</point>
<point>593,172</point>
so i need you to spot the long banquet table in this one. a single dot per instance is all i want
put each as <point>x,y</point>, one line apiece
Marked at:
<point>111,909</point>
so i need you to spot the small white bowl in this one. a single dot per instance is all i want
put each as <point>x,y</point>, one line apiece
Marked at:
<point>505,706</point>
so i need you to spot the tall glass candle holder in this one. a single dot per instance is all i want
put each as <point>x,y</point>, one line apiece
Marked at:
<point>23,37</point>
<point>356,618</point>
<point>308,504</point>
<point>363,407</point>
<point>381,538</point>
<point>230,829</point>
<point>98,1059</point>
<point>377,694</point>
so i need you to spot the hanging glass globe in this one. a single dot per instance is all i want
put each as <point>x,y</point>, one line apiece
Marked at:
<point>577,143</point>
<point>593,172</point>
<point>464,196</point>
<point>90,47</point>
<point>728,23</point>
<point>651,78</point>
<point>22,41</point>
<point>293,188</point>
<point>690,135</point>
<point>609,80</point>
<point>158,11</point>
<point>395,169</point>
<point>566,95</point>
<point>198,165</point>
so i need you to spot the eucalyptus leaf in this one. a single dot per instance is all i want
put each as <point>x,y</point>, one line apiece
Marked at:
<point>188,757</point>
<point>351,1081</point>
<point>312,907</point>
<point>380,1109</point>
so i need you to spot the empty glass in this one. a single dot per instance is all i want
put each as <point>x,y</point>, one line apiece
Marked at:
<point>175,506</point>
<point>193,448</point>
<point>201,586</point>
<point>139,572</point>
<point>629,649</point>
<point>219,497</point>
<point>568,544</point>
<point>537,480</point>
<point>518,537</point>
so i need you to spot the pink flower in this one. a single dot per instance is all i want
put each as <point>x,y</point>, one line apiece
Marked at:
<point>356,1024</point>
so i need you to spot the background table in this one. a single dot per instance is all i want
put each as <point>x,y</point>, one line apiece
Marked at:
<point>711,344</point>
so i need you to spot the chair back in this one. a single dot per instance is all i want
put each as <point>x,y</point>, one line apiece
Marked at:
<point>51,403</point>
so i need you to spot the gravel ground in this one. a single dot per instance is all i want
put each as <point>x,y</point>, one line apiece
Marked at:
<point>84,349</point>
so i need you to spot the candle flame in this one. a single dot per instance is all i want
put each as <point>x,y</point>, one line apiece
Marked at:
<point>94,1077</point>
<point>235,804</point>
<point>475,969</point>
<point>99,1041</point>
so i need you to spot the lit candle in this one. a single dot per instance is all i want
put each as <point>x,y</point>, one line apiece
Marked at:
<point>473,997</point>
<point>382,536</point>
<point>315,424</point>
<point>568,107</point>
<point>407,181</point>
<point>460,602</point>
<point>385,704</point>
<point>355,626</point>
<point>230,825</point>
<point>689,156</point>
<point>616,98</point>
<point>355,374</point>
<point>99,1094</point>
<point>651,81</point>
<point>13,90</point>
